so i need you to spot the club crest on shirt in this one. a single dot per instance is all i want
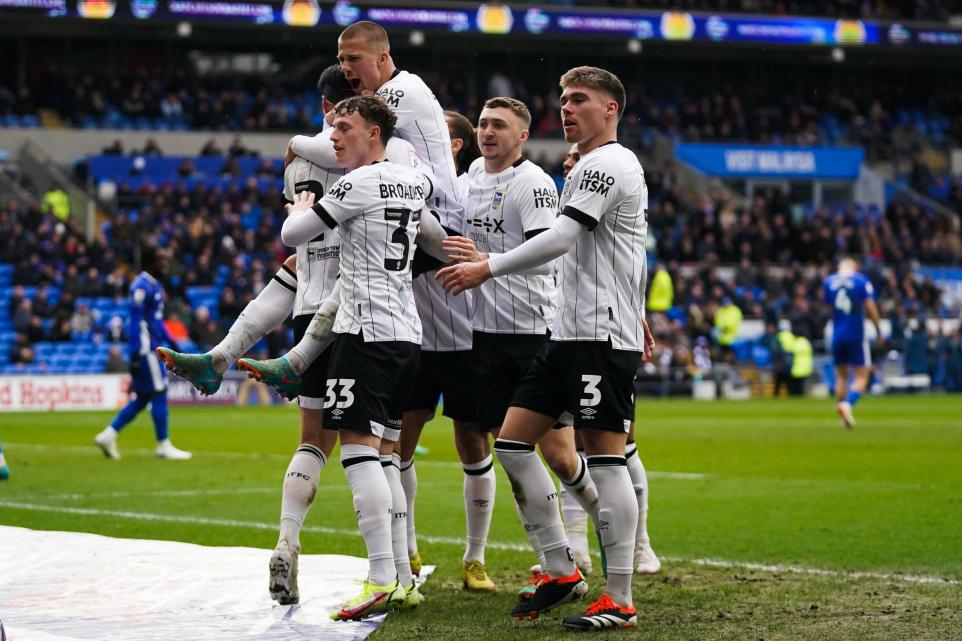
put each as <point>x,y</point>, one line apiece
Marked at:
<point>498,198</point>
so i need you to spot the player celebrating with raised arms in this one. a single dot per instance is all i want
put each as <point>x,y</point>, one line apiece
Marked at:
<point>851,296</point>
<point>597,340</point>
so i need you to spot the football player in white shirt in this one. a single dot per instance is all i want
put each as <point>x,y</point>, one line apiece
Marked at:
<point>575,517</point>
<point>510,200</point>
<point>597,341</point>
<point>446,363</point>
<point>316,266</point>
<point>378,208</point>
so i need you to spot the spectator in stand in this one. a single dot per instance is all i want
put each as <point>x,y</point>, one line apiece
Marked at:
<point>116,363</point>
<point>115,330</point>
<point>22,315</point>
<point>151,148</point>
<point>728,322</point>
<point>82,321</point>
<point>210,148</point>
<point>203,330</point>
<point>116,148</point>
<point>56,202</point>
<point>35,331</point>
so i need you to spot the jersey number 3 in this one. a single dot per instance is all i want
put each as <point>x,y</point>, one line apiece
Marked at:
<point>591,382</point>
<point>399,237</point>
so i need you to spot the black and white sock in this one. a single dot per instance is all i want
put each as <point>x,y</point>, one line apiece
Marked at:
<point>390,463</point>
<point>409,481</point>
<point>639,481</point>
<point>617,519</point>
<point>300,486</point>
<point>537,499</point>
<point>479,488</point>
<point>372,505</point>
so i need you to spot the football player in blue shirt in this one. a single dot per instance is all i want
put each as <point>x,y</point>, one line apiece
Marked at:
<point>146,331</point>
<point>851,296</point>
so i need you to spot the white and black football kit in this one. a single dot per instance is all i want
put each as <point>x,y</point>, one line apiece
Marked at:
<point>588,367</point>
<point>317,260</point>
<point>376,209</point>
<point>510,315</point>
<point>446,363</point>
<point>317,267</point>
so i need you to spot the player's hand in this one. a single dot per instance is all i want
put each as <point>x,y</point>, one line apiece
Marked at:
<point>135,366</point>
<point>289,155</point>
<point>302,202</point>
<point>649,342</point>
<point>457,278</point>
<point>462,250</point>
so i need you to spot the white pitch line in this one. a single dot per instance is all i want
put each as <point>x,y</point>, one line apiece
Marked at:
<point>800,569</point>
<point>253,525</point>
<point>92,449</point>
<point>76,496</point>
<point>496,545</point>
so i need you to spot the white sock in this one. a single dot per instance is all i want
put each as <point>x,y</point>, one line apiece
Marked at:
<point>537,499</point>
<point>372,505</point>
<point>639,480</point>
<point>618,516</point>
<point>264,313</point>
<point>479,488</point>
<point>409,481</point>
<point>110,431</point>
<point>582,489</point>
<point>300,486</point>
<point>390,463</point>
<point>576,522</point>
<point>318,335</point>
<point>532,537</point>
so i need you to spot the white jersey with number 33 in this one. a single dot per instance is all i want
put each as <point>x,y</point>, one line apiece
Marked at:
<point>377,209</point>
<point>600,280</point>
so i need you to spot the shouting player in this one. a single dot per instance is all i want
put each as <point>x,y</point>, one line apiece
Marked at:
<point>597,340</point>
<point>445,368</point>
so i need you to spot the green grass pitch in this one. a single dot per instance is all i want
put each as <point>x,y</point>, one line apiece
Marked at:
<point>772,522</point>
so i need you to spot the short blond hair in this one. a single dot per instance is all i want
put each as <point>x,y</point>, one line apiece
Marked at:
<point>373,35</point>
<point>595,78</point>
<point>514,105</point>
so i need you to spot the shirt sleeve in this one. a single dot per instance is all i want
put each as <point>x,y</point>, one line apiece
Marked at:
<point>344,200</point>
<point>349,196</point>
<point>316,149</point>
<point>541,249</point>
<point>536,200</point>
<point>869,290</point>
<point>594,189</point>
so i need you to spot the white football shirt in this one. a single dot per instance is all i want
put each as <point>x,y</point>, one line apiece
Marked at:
<point>377,209</point>
<point>600,280</point>
<point>317,260</point>
<point>420,120</point>
<point>502,211</point>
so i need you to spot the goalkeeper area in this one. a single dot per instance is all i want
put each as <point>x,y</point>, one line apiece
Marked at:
<point>771,521</point>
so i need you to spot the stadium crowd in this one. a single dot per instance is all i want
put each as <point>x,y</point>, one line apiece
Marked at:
<point>226,244</point>
<point>892,120</point>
